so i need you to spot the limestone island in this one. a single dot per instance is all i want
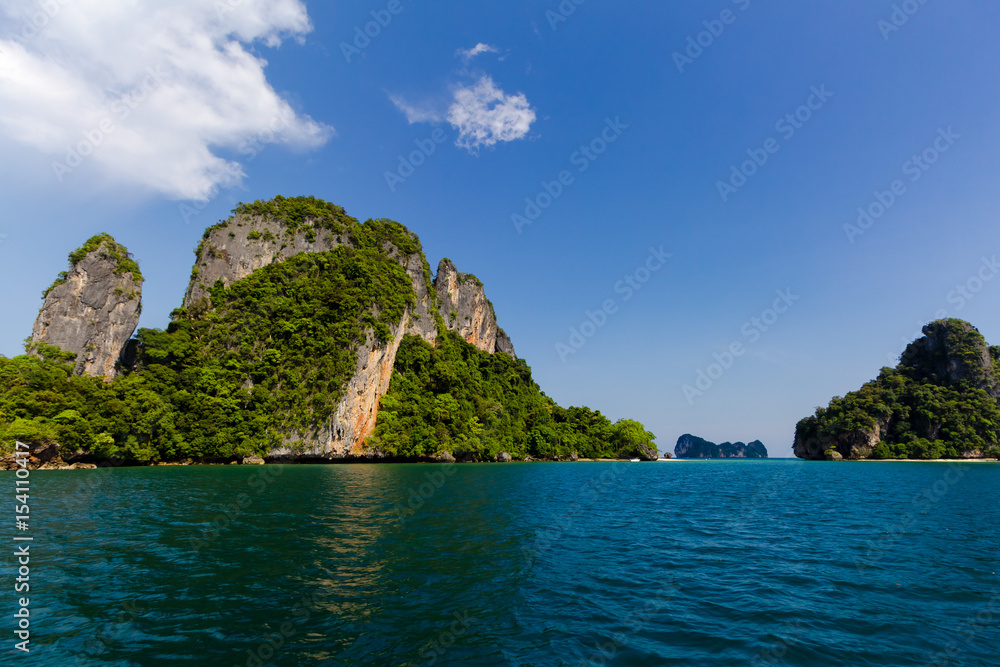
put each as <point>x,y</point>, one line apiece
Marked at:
<point>692,447</point>
<point>939,402</point>
<point>304,336</point>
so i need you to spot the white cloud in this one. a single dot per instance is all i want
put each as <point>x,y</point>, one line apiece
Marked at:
<point>485,115</point>
<point>149,91</point>
<point>478,49</point>
<point>416,113</point>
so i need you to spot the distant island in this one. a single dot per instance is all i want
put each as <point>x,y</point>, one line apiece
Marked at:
<point>304,336</point>
<point>941,401</point>
<point>692,447</point>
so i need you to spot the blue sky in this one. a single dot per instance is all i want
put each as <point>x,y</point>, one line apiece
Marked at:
<point>203,106</point>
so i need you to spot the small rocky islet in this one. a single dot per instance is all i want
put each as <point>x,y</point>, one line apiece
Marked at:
<point>692,447</point>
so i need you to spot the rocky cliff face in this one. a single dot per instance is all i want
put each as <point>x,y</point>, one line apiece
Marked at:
<point>421,321</point>
<point>93,308</point>
<point>357,411</point>
<point>466,310</point>
<point>232,250</point>
<point>737,450</point>
<point>852,445</point>
<point>692,447</point>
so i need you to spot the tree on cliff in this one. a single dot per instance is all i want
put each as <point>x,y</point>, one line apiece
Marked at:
<point>632,439</point>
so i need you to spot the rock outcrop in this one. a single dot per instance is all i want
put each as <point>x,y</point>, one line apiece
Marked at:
<point>255,237</point>
<point>950,352</point>
<point>345,433</point>
<point>92,310</point>
<point>935,403</point>
<point>233,249</point>
<point>465,309</point>
<point>854,445</point>
<point>421,321</point>
<point>250,240</point>
<point>692,447</point>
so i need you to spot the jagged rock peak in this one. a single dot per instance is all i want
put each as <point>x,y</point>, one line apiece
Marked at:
<point>92,309</point>
<point>466,310</point>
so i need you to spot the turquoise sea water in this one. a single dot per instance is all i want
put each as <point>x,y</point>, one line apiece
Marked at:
<point>680,563</point>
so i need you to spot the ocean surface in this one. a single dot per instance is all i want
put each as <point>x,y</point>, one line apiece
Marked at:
<point>670,563</point>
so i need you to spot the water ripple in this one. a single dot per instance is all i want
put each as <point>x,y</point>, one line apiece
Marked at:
<point>691,563</point>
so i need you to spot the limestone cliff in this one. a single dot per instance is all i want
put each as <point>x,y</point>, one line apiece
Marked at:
<point>258,236</point>
<point>254,238</point>
<point>422,319</point>
<point>466,310</point>
<point>692,447</point>
<point>266,233</point>
<point>93,308</point>
<point>345,433</point>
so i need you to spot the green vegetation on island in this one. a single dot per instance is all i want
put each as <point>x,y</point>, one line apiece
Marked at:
<point>939,402</point>
<point>124,263</point>
<point>262,364</point>
<point>457,398</point>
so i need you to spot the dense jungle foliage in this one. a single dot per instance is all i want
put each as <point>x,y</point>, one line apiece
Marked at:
<point>457,398</point>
